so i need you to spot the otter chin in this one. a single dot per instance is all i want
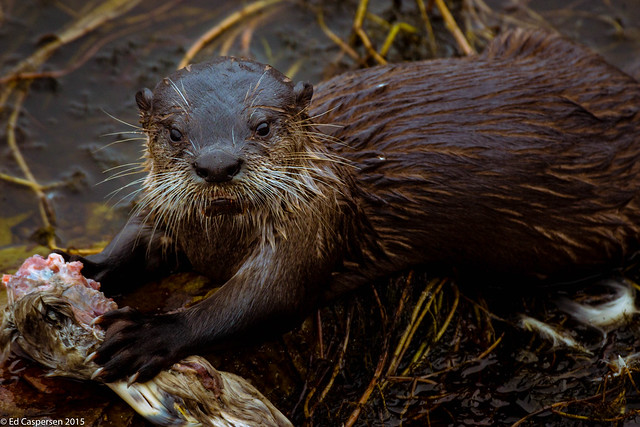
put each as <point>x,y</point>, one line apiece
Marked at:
<point>223,206</point>
<point>519,166</point>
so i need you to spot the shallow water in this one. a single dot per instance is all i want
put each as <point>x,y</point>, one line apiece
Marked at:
<point>76,129</point>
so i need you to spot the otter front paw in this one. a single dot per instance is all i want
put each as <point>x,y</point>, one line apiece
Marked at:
<point>137,346</point>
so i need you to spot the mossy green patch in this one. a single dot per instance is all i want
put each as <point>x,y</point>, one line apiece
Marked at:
<point>12,257</point>
<point>6,236</point>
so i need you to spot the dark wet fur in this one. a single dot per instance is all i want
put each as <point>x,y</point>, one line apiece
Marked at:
<point>516,166</point>
<point>522,163</point>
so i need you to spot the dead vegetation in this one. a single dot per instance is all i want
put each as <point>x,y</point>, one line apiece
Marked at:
<point>410,350</point>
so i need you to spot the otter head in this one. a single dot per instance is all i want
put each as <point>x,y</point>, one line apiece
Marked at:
<point>221,136</point>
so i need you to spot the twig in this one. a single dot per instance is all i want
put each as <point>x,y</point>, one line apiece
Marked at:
<point>334,373</point>
<point>230,21</point>
<point>245,34</point>
<point>372,384</point>
<point>405,378</point>
<point>422,350</point>
<point>335,38</point>
<point>46,210</point>
<point>383,313</point>
<point>395,29</point>
<point>320,341</point>
<point>467,362</point>
<point>383,357</point>
<point>416,319</point>
<point>447,321</point>
<point>19,181</point>
<point>89,53</point>
<point>102,13</point>
<point>357,28</point>
<point>453,28</point>
<point>431,37</point>
<point>294,68</point>
<point>606,19</point>
<point>554,408</point>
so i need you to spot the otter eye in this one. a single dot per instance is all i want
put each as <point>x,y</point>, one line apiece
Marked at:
<point>263,129</point>
<point>175,135</point>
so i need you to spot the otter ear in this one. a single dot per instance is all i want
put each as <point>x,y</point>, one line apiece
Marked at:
<point>303,92</point>
<point>144,98</point>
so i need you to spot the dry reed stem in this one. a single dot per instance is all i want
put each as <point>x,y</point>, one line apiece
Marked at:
<point>453,28</point>
<point>308,413</point>
<point>18,181</point>
<point>54,74</point>
<point>395,29</point>
<point>12,125</point>
<point>383,356</point>
<point>447,321</point>
<point>476,6</point>
<point>554,409</point>
<point>335,38</point>
<point>46,210</point>
<point>294,68</point>
<point>320,338</point>
<point>102,13</point>
<point>606,19</point>
<point>92,50</point>
<point>420,310</point>
<point>467,362</point>
<point>431,37</point>
<point>223,26</point>
<point>245,34</point>
<point>422,351</point>
<point>357,28</point>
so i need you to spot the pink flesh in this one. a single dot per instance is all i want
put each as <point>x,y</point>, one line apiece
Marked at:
<point>39,274</point>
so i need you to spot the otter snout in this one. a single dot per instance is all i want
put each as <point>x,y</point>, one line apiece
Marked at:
<point>217,166</point>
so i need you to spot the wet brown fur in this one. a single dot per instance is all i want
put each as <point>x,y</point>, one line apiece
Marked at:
<point>520,163</point>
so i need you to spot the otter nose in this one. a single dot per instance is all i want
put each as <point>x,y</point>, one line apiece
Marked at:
<point>217,166</point>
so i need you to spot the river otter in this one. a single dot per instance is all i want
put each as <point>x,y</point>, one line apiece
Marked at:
<point>521,164</point>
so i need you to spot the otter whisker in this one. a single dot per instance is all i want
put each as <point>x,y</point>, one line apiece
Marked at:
<point>324,158</point>
<point>135,126</point>
<point>290,189</point>
<point>254,90</point>
<point>129,167</point>
<point>134,132</point>
<point>134,186</point>
<point>159,199</point>
<point>307,205</point>
<point>120,174</point>
<point>320,136</point>
<point>179,92</point>
<point>119,141</point>
<point>307,123</point>
<point>131,196</point>
<point>140,164</point>
<point>334,182</point>
<point>314,117</point>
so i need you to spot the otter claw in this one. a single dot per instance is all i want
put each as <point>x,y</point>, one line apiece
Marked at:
<point>91,357</point>
<point>132,379</point>
<point>96,321</point>
<point>97,373</point>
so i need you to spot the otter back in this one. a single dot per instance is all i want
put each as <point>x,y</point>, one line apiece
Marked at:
<point>521,162</point>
